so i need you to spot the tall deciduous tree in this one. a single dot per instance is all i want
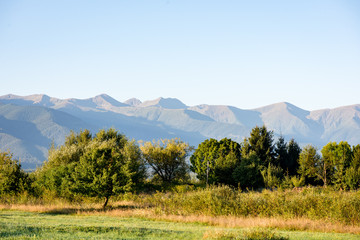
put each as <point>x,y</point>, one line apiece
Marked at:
<point>203,160</point>
<point>167,158</point>
<point>214,161</point>
<point>55,173</point>
<point>228,160</point>
<point>339,156</point>
<point>313,166</point>
<point>104,168</point>
<point>99,166</point>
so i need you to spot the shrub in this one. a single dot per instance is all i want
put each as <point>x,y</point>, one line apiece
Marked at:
<point>260,234</point>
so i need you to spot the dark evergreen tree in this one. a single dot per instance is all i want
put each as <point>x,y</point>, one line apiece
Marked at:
<point>313,167</point>
<point>261,143</point>
<point>291,166</point>
<point>281,154</point>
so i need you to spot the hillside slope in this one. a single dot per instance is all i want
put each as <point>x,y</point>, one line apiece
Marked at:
<point>28,131</point>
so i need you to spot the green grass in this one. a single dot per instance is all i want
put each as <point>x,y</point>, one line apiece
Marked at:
<point>34,225</point>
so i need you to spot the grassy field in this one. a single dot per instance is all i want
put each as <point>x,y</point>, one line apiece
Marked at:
<point>15,224</point>
<point>212,213</point>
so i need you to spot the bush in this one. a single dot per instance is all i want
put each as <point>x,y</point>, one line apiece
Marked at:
<point>260,234</point>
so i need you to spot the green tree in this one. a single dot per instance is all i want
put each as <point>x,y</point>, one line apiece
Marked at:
<point>257,154</point>
<point>281,153</point>
<point>228,160</point>
<point>339,156</point>
<point>352,174</point>
<point>261,143</point>
<point>203,160</point>
<point>13,180</point>
<point>313,166</point>
<point>291,166</point>
<point>98,166</point>
<point>135,162</point>
<point>167,158</point>
<point>248,173</point>
<point>287,155</point>
<point>214,161</point>
<point>104,169</point>
<point>55,173</point>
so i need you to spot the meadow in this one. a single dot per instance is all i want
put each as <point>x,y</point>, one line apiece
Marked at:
<point>188,213</point>
<point>107,225</point>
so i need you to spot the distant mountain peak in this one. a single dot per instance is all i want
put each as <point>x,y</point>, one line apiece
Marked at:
<point>106,100</point>
<point>281,106</point>
<point>169,103</point>
<point>103,95</point>
<point>133,102</point>
<point>40,98</point>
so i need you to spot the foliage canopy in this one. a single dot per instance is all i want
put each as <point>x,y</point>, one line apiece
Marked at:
<point>214,161</point>
<point>98,166</point>
<point>167,158</point>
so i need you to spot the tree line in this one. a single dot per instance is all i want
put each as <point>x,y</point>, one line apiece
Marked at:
<point>108,163</point>
<point>261,162</point>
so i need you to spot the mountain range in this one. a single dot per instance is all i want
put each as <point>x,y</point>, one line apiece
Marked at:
<point>29,124</point>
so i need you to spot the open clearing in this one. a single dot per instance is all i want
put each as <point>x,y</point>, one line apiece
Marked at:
<point>48,225</point>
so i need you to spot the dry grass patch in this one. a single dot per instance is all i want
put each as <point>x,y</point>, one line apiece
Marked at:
<point>300,224</point>
<point>62,208</point>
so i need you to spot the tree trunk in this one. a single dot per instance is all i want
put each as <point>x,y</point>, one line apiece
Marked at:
<point>106,202</point>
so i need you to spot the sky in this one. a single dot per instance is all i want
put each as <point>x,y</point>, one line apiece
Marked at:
<point>226,52</point>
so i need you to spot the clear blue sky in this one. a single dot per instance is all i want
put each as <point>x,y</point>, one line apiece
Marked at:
<point>241,53</point>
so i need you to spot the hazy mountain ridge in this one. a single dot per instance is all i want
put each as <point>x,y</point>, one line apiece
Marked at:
<point>44,119</point>
<point>28,131</point>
